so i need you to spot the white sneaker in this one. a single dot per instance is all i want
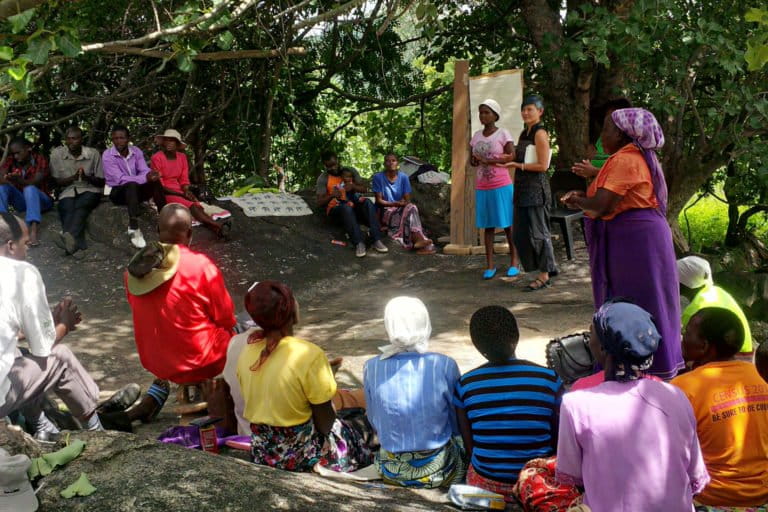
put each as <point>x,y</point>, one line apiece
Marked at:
<point>360,250</point>
<point>137,239</point>
<point>379,246</point>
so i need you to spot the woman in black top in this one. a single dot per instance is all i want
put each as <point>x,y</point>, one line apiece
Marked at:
<point>532,198</point>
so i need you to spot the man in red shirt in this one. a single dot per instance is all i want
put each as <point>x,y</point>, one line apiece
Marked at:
<point>24,184</point>
<point>183,315</point>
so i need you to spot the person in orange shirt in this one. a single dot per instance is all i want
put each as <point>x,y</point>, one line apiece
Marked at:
<point>630,244</point>
<point>730,402</point>
<point>761,360</point>
<point>332,193</point>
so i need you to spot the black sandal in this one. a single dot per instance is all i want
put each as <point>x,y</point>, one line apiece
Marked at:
<point>542,284</point>
<point>226,230</point>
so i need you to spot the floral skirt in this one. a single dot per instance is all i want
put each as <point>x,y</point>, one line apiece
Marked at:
<point>503,488</point>
<point>301,447</point>
<point>424,469</point>
<point>401,223</point>
<point>539,491</point>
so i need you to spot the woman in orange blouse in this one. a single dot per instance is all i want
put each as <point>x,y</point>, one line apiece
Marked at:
<point>630,244</point>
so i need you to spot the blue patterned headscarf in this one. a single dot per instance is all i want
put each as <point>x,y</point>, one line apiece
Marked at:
<point>626,332</point>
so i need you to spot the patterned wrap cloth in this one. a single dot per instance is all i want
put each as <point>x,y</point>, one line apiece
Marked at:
<point>538,490</point>
<point>299,448</point>
<point>505,489</point>
<point>402,222</point>
<point>424,469</point>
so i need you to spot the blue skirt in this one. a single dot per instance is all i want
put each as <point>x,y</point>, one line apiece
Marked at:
<point>493,208</point>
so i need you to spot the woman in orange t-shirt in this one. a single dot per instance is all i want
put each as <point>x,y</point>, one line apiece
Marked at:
<point>630,244</point>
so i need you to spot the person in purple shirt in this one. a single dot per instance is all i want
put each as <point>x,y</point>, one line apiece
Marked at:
<point>131,180</point>
<point>630,442</point>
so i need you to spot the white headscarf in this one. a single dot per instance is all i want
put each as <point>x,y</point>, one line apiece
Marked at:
<point>493,105</point>
<point>407,323</point>
<point>694,272</point>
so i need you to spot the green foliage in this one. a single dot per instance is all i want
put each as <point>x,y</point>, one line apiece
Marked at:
<point>705,223</point>
<point>757,45</point>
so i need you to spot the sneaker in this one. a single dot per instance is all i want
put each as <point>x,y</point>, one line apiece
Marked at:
<point>137,239</point>
<point>360,250</point>
<point>379,246</point>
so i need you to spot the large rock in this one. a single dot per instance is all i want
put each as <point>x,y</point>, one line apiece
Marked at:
<point>135,474</point>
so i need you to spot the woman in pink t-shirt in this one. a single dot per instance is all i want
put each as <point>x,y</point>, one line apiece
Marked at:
<point>173,167</point>
<point>491,147</point>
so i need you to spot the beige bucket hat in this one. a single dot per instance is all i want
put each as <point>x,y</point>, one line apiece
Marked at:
<point>170,134</point>
<point>16,493</point>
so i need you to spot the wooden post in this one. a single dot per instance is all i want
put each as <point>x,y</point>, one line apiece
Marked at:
<point>463,232</point>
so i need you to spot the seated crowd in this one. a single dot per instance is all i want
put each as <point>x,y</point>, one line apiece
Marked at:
<point>620,440</point>
<point>637,434</point>
<point>79,176</point>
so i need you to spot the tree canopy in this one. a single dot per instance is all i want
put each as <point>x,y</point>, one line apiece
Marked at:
<point>251,84</point>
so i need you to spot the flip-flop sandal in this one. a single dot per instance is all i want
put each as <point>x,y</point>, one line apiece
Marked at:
<point>159,391</point>
<point>543,284</point>
<point>513,271</point>
<point>489,273</point>
<point>422,244</point>
<point>430,249</point>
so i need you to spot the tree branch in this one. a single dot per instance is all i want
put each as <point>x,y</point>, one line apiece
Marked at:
<point>391,104</point>
<point>749,212</point>
<point>177,30</point>
<point>206,56</point>
<point>382,105</point>
<point>326,15</point>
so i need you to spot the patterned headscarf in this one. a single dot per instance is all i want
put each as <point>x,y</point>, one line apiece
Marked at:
<point>407,323</point>
<point>641,126</point>
<point>626,332</point>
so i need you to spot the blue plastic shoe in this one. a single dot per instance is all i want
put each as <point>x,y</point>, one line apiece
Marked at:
<point>513,271</point>
<point>489,273</point>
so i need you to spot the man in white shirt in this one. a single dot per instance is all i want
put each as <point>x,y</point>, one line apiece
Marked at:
<point>48,365</point>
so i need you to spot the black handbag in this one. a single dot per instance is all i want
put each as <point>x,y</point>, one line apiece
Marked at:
<point>570,357</point>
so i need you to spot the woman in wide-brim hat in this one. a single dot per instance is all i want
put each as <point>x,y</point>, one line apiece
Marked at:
<point>173,167</point>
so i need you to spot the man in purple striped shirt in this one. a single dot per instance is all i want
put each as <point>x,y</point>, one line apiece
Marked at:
<point>131,180</point>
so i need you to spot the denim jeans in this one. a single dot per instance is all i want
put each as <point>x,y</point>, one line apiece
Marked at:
<point>32,200</point>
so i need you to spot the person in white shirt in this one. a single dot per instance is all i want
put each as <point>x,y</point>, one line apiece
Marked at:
<point>25,376</point>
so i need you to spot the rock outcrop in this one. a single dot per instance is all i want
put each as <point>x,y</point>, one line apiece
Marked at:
<point>134,474</point>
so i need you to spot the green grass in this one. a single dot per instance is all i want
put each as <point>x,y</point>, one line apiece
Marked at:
<point>708,221</point>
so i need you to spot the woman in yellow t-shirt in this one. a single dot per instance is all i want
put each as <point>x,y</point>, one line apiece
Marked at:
<point>287,386</point>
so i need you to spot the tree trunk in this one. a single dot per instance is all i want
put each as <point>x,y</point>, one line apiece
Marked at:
<point>266,133</point>
<point>568,93</point>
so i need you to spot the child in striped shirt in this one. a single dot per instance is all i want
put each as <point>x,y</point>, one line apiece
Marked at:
<point>507,409</point>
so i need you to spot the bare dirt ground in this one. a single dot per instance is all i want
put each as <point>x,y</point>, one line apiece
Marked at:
<point>342,297</point>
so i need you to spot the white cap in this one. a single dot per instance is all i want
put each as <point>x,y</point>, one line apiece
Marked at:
<point>493,105</point>
<point>16,493</point>
<point>694,272</point>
